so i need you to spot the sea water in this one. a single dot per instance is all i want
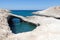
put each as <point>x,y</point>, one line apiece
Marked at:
<point>19,27</point>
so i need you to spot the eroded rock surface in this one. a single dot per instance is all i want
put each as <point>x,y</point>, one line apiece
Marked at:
<point>4,26</point>
<point>52,11</point>
<point>48,28</point>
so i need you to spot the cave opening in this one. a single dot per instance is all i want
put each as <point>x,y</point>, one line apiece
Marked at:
<point>18,26</point>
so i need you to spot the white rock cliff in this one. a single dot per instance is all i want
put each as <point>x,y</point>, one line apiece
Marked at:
<point>49,28</point>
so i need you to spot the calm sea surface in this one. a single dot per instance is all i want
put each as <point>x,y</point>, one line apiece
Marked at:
<point>19,27</point>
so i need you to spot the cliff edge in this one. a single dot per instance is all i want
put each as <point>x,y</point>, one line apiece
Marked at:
<point>48,28</point>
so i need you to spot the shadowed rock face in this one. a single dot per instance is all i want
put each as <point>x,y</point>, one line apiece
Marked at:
<point>49,28</point>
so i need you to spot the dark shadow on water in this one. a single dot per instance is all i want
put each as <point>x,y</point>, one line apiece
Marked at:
<point>18,27</point>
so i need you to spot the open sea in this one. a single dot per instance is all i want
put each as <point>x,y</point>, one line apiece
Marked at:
<point>19,27</point>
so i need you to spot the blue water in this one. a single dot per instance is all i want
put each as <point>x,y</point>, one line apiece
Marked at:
<point>23,12</point>
<point>19,27</point>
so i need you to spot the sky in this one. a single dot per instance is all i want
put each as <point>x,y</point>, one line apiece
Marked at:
<point>28,4</point>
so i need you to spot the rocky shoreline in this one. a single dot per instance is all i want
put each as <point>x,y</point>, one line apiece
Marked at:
<point>47,25</point>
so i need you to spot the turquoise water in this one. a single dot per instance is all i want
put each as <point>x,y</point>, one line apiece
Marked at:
<point>19,27</point>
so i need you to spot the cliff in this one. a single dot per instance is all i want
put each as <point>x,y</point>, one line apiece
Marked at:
<point>52,11</point>
<point>47,26</point>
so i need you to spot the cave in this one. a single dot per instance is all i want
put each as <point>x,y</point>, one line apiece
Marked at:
<point>19,26</point>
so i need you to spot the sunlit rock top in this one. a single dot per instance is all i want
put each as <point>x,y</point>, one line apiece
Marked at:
<point>4,12</point>
<point>52,11</point>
